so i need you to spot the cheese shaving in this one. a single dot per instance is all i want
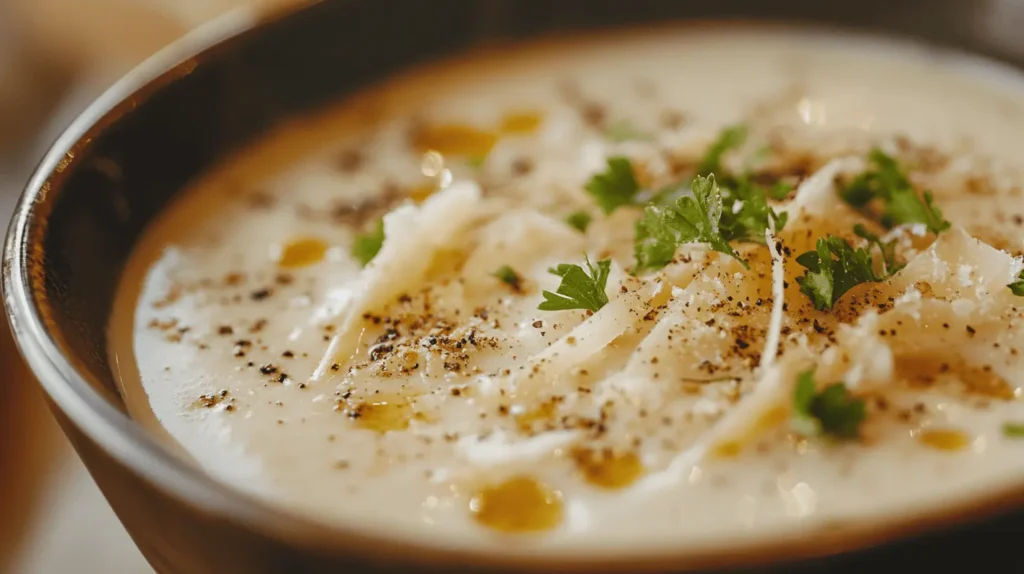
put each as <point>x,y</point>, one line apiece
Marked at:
<point>412,237</point>
<point>771,346</point>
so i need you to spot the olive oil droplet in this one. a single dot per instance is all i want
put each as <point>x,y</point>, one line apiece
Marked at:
<point>383,414</point>
<point>454,139</point>
<point>521,123</point>
<point>302,252</point>
<point>606,469</point>
<point>944,439</point>
<point>519,504</point>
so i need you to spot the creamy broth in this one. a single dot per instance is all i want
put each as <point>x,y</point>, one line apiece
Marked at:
<point>428,391</point>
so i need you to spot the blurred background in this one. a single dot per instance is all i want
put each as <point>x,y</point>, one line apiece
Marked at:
<point>55,57</point>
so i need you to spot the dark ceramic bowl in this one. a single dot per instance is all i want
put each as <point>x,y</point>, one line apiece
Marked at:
<point>187,108</point>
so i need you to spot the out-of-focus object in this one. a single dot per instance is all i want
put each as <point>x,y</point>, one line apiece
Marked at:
<point>49,46</point>
<point>31,80</point>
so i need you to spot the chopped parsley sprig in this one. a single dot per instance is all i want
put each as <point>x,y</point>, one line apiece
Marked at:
<point>693,219</point>
<point>1013,430</point>
<point>579,289</point>
<point>509,277</point>
<point>615,187</point>
<point>579,220</point>
<point>366,245</point>
<point>623,131</point>
<point>885,181</point>
<point>702,218</point>
<point>730,138</point>
<point>833,411</point>
<point>1017,287</point>
<point>835,267</point>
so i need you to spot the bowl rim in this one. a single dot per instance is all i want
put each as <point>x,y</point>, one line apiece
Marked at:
<point>136,450</point>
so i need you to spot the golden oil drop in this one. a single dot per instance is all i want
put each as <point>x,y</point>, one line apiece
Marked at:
<point>607,469</point>
<point>302,252</point>
<point>521,122</point>
<point>519,504</point>
<point>944,439</point>
<point>454,139</point>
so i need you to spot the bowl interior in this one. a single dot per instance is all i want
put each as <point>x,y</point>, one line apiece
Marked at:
<point>189,108</point>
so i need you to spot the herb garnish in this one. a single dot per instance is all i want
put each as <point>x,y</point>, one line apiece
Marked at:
<point>700,218</point>
<point>580,220</point>
<point>622,131</point>
<point>508,276</point>
<point>732,137</point>
<point>1013,430</point>
<point>366,245</point>
<point>887,249</point>
<point>753,216</point>
<point>885,181</point>
<point>695,219</point>
<point>579,289</point>
<point>833,411</point>
<point>614,187</point>
<point>828,279</point>
<point>1017,287</point>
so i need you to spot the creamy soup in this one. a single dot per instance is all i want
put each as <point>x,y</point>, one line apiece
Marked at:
<point>663,288</point>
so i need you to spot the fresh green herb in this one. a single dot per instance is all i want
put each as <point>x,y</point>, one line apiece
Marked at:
<point>508,276</point>
<point>835,267</point>
<point>366,245</point>
<point>476,162</point>
<point>753,216</point>
<point>701,218</point>
<point>780,190</point>
<point>1017,287</point>
<point>886,248</point>
<point>730,138</point>
<point>827,279</point>
<point>885,181</point>
<point>693,219</point>
<point>614,187</point>
<point>622,131</point>
<point>833,411</point>
<point>579,289</point>
<point>1013,430</point>
<point>580,220</point>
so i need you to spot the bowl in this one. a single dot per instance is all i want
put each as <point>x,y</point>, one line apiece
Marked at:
<point>223,86</point>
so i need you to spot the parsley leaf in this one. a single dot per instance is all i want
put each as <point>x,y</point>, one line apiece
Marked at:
<point>579,289</point>
<point>732,137</point>
<point>692,219</point>
<point>508,276</point>
<point>614,187</point>
<point>1018,286</point>
<point>366,245</point>
<point>887,182</point>
<point>835,267</point>
<point>580,220</point>
<point>887,249</point>
<point>833,411</point>
<point>1013,430</point>
<point>622,131</point>
<point>753,215</point>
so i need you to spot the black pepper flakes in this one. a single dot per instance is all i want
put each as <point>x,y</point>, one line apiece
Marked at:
<point>260,294</point>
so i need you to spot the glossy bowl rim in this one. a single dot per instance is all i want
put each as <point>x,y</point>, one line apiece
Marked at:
<point>140,453</point>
